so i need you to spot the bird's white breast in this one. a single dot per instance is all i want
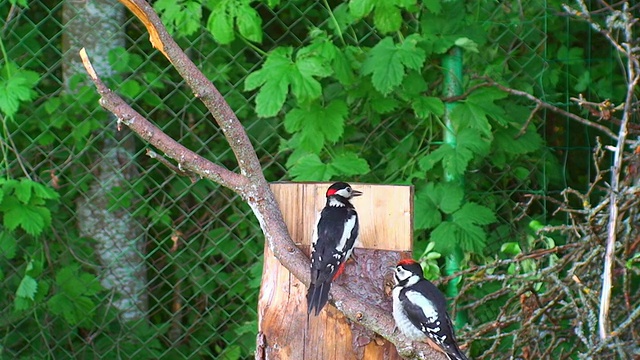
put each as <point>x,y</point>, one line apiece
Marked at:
<point>402,321</point>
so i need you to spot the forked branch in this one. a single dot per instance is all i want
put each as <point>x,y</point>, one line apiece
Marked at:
<point>249,184</point>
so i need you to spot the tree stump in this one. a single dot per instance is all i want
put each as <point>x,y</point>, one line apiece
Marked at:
<point>286,332</point>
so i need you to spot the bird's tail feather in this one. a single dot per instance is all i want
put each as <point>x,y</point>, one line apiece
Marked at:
<point>317,297</point>
<point>455,353</point>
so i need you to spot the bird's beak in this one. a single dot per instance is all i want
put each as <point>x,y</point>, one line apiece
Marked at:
<point>356,193</point>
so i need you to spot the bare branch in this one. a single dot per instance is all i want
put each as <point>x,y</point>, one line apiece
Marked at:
<point>625,21</point>
<point>152,134</point>
<point>201,86</point>
<point>546,105</point>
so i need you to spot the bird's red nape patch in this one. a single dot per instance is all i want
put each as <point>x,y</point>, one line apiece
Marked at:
<point>331,192</point>
<point>406,262</point>
<point>339,272</point>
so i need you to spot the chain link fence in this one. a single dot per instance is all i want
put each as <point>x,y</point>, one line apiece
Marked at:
<point>194,249</point>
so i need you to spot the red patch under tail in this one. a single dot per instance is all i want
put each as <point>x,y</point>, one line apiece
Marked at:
<point>339,272</point>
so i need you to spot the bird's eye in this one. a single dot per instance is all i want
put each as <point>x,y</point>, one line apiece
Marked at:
<point>348,189</point>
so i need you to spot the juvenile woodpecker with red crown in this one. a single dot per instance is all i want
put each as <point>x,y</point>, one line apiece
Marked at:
<point>420,310</point>
<point>334,238</point>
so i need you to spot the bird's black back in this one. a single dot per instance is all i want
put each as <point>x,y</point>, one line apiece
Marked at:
<point>415,313</point>
<point>330,231</point>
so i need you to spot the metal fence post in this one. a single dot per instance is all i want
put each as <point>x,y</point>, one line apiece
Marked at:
<point>452,65</point>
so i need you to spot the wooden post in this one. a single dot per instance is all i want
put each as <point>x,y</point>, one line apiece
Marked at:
<point>385,214</point>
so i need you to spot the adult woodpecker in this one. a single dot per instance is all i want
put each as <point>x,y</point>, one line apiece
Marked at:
<point>420,310</point>
<point>333,241</point>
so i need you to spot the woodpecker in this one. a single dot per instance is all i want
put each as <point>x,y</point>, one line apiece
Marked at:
<point>334,238</point>
<point>420,310</point>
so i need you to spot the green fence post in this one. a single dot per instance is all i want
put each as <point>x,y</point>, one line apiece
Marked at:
<point>452,65</point>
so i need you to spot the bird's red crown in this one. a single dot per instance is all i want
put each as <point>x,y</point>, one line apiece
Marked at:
<point>407,262</point>
<point>331,192</point>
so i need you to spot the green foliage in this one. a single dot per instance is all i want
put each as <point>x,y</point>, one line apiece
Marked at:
<point>441,207</point>
<point>16,88</point>
<point>316,125</point>
<point>26,204</point>
<point>387,15</point>
<point>182,16</point>
<point>310,167</point>
<point>429,262</point>
<point>279,72</point>
<point>387,62</point>
<point>73,297</point>
<point>227,13</point>
<point>333,100</point>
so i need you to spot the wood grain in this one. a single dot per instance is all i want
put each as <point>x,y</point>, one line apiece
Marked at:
<point>385,214</point>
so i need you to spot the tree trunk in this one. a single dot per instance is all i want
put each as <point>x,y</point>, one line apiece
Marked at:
<point>98,26</point>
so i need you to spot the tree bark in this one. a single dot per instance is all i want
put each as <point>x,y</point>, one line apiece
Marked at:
<point>99,25</point>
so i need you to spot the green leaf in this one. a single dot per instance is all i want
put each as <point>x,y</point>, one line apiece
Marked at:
<point>23,190</point>
<point>52,105</point>
<point>467,44</point>
<point>31,219</point>
<point>342,68</point>
<point>8,245</point>
<point>182,16</point>
<point>569,56</point>
<point>430,160</point>
<point>473,213</point>
<point>130,88</point>
<point>220,22</point>
<point>511,249</point>
<point>309,168</point>
<point>16,90</point>
<point>528,142</point>
<point>279,71</point>
<point>387,16</point>
<point>249,23</point>
<point>21,304</point>
<point>473,141</point>
<point>444,237</point>
<point>43,191</point>
<point>317,125</point>
<point>349,164</point>
<point>384,105</point>
<point>474,111</point>
<point>465,229</point>
<point>470,238</point>
<point>448,197</point>
<point>273,80</point>
<point>454,160</point>
<point>74,311</point>
<point>118,59</point>
<point>361,8</point>
<point>27,288</point>
<point>75,283</point>
<point>303,84</point>
<point>424,106</point>
<point>426,211</point>
<point>387,62</point>
<point>583,82</point>
<point>232,352</point>
<point>414,85</point>
<point>23,3</point>
<point>433,5</point>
